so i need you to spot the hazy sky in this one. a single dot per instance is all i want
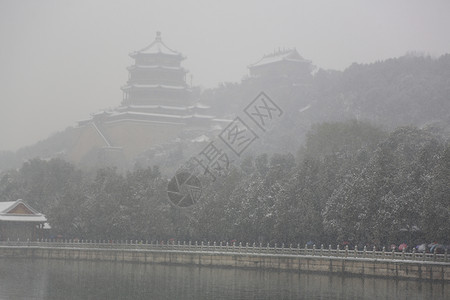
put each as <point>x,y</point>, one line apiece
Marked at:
<point>63,60</point>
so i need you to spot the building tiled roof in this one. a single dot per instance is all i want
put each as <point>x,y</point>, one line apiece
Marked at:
<point>157,47</point>
<point>7,207</point>
<point>280,55</point>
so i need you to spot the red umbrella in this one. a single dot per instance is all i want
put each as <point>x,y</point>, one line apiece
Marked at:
<point>402,247</point>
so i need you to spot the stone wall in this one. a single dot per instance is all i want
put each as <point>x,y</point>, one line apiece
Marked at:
<point>425,270</point>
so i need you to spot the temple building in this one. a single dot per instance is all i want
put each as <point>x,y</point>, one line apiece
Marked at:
<point>156,77</point>
<point>157,107</point>
<point>283,63</point>
<point>19,221</point>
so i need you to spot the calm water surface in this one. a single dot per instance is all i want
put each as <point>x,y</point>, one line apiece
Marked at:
<point>57,279</point>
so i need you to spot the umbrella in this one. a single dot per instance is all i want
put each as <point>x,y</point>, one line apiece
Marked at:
<point>438,248</point>
<point>421,247</point>
<point>402,247</point>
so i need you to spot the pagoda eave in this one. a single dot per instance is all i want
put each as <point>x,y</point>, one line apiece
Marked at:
<point>133,67</point>
<point>155,87</point>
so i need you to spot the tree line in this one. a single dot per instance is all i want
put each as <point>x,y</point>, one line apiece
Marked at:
<point>350,182</point>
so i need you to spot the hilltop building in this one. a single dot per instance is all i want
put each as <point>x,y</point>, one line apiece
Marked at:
<point>283,63</point>
<point>158,106</point>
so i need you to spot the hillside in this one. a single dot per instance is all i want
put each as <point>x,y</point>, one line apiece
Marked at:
<point>409,90</point>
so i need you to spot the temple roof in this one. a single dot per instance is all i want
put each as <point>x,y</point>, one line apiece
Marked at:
<point>280,55</point>
<point>19,211</point>
<point>157,47</point>
<point>154,86</point>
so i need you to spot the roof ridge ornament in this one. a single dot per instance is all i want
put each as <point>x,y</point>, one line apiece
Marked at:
<point>158,36</point>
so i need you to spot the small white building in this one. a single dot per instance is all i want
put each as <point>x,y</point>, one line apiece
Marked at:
<point>18,220</point>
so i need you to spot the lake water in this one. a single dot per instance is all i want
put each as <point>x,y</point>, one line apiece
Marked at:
<point>58,279</point>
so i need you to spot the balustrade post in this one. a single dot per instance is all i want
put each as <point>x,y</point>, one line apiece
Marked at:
<point>364,251</point>
<point>321,249</point>
<point>282,247</point>
<point>403,253</point>
<point>355,251</point>
<point>338,250</point>
<point>414,253</point>
<point>275,247</point>
<point>383,252</point>
<point>446,254</point>
<point>346,250</point>
<point>240,246</point>
<point>314,250</point>
<point>329,250</point>
<point>434,254</point>
<point>373,251</point>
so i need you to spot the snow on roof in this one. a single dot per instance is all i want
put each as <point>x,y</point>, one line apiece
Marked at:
<point>7,207</point>
<point>304,108</point>
<point>23,218</point>
<point>280,55</point>
<point>144,121</point>
<point>135,106</point>
<point>223,120</point>
<point>157,47</point>
<point>135,113</point>
<point>200,106</point>
<point>200,139</point>
<point>174,87</point>
<point>202,116</point>
<point>155,67</point>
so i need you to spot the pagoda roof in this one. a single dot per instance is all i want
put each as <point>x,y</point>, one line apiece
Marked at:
<point>156,67</point>
<point>157,47</point>
<point>154,86</point>
<point>158,106</point>
<point>19,211</point>
<point>280,55</point>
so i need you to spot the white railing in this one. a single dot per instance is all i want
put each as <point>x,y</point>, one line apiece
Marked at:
<point>225,247</point>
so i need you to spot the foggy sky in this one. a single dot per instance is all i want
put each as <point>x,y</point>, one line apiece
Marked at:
<point>63,60</point>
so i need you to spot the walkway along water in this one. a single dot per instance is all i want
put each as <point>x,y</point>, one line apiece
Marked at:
<point>364,262</point>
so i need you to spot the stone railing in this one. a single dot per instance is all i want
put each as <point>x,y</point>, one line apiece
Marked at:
<point>222,247</point>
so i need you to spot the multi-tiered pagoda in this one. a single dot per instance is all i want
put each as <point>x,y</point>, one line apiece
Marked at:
<point>156,78</point>
<point>156,90</point>
<point>158,106</point>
